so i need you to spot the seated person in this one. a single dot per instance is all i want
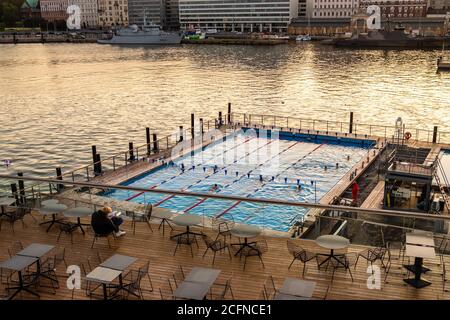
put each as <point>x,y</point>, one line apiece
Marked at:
<point>103,223</point>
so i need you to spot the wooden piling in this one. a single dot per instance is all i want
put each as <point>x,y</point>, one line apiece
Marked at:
<point>435,132</point>
<point>59,177</point>
<point>229,113</point>
<point>14,192</point>
<point>201,126</point>
<point>147,135</point>
<point>21,188</point>
<point>181,133</point>
<point>94,156</point>
<point>98,165</point>
<point>155,142</point>
<point>220,119</point>
<point>350,129</point>
<point>192,126</point>
<point>131,151</point>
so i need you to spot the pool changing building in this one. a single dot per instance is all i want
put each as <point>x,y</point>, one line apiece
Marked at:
<point>238,15</point>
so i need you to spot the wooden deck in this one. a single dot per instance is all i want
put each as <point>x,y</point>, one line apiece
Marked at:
<point>375,198</point>
<point>158,249</point>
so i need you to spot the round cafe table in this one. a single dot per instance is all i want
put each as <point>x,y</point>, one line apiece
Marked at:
<point>187,220</point>
<point>79,212</point>
<point>49,202</point>
<point>332,242</point>
<point>53,210</point>
<point>245,231</point>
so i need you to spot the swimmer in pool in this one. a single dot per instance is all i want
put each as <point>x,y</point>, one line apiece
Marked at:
<point>215,187</point>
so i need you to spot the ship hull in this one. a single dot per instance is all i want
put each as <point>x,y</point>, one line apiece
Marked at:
<point>144,40</point>
<point>412,43</point>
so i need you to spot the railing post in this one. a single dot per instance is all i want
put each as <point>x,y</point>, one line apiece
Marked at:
<point>114,163</point>
<point>131,151</point>
<point>350,128</point>
<point>87,173</point>
<point>59,177</point>
<point>155,143</point>
<point>229,113</point>
<point>220,119</point>
<point>435,132</point>
<point>147,136</point>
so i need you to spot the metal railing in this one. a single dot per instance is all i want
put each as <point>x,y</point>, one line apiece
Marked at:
<point>359,129</point>
<point>416,220</point>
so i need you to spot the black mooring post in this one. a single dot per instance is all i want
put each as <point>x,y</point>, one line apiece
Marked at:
<point>435,132</point>
<point>147,136</point>
<point>350,128</point>
<point>155,142</point>
<point>59,187</point>
<point>192,126</point>
<point>229,113</point>
<point>14,192</point>
<point>94,156</point>
<point>220,119</point>
<point>21,188</point>
<point>201,126</point>
<point>131,151</point>
<point>98,165</point>
<point>181,133</point>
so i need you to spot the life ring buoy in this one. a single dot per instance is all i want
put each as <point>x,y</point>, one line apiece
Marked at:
<point>408,135</point>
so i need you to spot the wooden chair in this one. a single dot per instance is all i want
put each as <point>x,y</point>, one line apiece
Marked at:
<point>300,254</point>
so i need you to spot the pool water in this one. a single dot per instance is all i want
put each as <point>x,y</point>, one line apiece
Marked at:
<point>253,166</point>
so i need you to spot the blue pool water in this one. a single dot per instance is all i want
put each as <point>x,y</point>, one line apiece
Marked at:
<point>255,167</point>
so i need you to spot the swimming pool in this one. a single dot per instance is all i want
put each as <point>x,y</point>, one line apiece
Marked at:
<point>252,165</point>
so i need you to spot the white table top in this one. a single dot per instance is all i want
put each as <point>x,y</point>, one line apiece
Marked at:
<point>78,212</point>
<point>53,208</point>
<point>192,290</point>
<point>245,231</point>
<point>118,262</point>
<point>18,263</point>
<point>282,296</point>
<point>162,213</point>
<point>36,250</point>
<point>419,239</point>
<point>420,251</point>
<point>297,287</point>
<point>49,202</point>
<point>332,242</point>
<point>103,275</point>
<point>187,219</point>
<point>203,275</point>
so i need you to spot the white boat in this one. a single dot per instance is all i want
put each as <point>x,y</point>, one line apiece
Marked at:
<point>149,34</point>
<point>306,37</point>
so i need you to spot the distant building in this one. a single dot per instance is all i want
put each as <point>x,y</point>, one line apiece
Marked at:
<point>172,14</point>
<point>54,11</point>
<point>30,13</point>
<point>398,8</point>
<point>233,15</point>
<point>152,9</point>
<point>439,7</point>
<point>331,9</point>
<point>112,13</point>
<point>89,12</point>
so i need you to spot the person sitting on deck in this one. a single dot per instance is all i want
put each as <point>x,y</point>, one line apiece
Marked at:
<point>103,222</point>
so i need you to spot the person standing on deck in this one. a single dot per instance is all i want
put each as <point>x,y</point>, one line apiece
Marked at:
<point>355,190</point>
